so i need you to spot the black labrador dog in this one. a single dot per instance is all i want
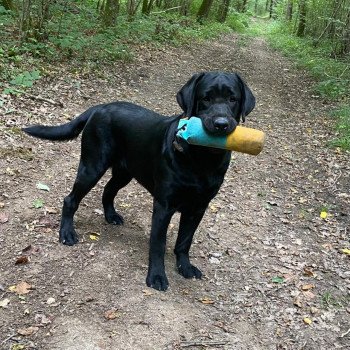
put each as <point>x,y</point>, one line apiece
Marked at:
<point>138,143</point>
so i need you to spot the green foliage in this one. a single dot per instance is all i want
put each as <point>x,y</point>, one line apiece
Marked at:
<point>237,21</point>
<point>21,82</point>
<point>342,115</point>
<point>332,75</point>
<point>331,300</point>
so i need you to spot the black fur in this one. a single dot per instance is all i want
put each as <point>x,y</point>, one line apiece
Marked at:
<point>138,143</point>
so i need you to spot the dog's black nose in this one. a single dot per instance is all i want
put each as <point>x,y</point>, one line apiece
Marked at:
<point>221,124</point>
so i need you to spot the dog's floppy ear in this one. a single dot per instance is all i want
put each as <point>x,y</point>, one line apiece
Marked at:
<point>186,96</point>
<point>248,102</point>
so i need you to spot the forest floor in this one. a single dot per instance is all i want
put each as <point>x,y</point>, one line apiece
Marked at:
<point>277,274</point>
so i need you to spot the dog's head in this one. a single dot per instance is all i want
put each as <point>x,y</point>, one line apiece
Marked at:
<point>219,99</point>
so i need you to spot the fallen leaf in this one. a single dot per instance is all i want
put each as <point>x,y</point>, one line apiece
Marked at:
<point>50,301</point>
<point>21,288</point>
<point>27,248</point>
<point>17,347</point>
<point>307,320</point>
<point>206,301</point>
<point>38,203</point>
<point>21,260</point>
<point>309,295</point>
<point>297,301</point>
<point>94,236</point>
<point>307,286</point>
<point>213,208</point>
<point>3,218</point>
<point>124,205</point>
<point>147,292</point>
<point>277,279</point>
<point>42,186</point>
<point>308,272</point>
<point>314,310</point>
<point>345,251</point>
<point>4,303</point>
<point>111,314</point>
<point>27,331</point>
<point>323,214</point>
<point>51,210</point>
<point>42,319</point>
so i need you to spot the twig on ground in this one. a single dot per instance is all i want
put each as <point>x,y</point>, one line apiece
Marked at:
<point>39,98</point>
<point>8,338</point>
<point>346,333</point>
<point>187,344</point>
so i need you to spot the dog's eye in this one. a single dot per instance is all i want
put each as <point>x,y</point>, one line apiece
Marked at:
<point>206,99</point>
<point>232,99</point>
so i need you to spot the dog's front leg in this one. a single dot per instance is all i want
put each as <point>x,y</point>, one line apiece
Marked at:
<point>156,277</point>
<point>188,224</point>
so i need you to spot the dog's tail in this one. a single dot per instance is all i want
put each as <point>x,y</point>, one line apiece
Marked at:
<point>62,132</point>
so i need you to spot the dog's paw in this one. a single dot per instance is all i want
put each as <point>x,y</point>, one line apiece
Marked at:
<point>68,237</point>
<point>157,281</point>
<point>189,271</point>
<point>114,218</point>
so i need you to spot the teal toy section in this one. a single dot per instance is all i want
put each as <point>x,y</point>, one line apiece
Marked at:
<point>194,133</point>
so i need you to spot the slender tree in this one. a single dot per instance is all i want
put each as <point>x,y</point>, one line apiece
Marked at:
<point>8,4</point>
<point>223,11</point>
<point>302,18</point>
<point>204,10</point>
<point>289,10</point>
<point>109,12</point>
<point>147,6</point>
<point>185,6</point>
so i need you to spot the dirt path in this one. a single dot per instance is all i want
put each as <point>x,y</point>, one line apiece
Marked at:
<point>271,264</point>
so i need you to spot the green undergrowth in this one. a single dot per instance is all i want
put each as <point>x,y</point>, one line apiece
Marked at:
<point>78,41</point>
<point>342,114</point>
<point>81,38</point>
<point>331,74</point>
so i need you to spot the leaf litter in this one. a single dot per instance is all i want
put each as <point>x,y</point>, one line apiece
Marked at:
<point>267,218</point>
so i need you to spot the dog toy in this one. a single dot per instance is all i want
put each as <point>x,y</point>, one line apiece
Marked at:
<point>242,139</point>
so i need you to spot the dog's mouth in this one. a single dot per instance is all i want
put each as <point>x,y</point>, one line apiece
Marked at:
<point>219,126</point>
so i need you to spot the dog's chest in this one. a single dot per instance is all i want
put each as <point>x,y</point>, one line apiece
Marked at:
<point>195,191</point>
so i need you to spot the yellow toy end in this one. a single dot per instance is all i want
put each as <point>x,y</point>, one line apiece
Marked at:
<point>246,140</point>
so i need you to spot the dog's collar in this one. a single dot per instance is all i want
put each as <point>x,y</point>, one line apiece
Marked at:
<point>176,145</point>
<point>178,140</point>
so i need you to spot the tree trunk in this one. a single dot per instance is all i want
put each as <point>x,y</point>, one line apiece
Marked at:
<point>185,7</point>
<point>147,6</point>
<point>25,19</point>
<point>256,7</point>
<point>223,11</point>
<point>110,10</point>
<point>272,2</point>
<point>345,38</point>
<point>302,18</point>
<point>289,10</point>
<point>204,10</point>
<point>131,8</point>
<point>8,4</point>
<point>244,6</point>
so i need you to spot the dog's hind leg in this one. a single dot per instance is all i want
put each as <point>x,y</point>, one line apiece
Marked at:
<point>89,172</point>
<point>189,222</point>
<point>120,178</point>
